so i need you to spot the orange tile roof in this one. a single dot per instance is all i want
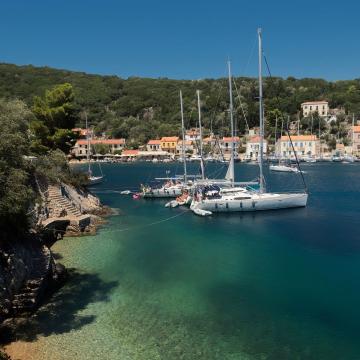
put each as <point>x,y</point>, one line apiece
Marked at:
<point>208,139</point>
<point>102,141</point>
<point>130,152</point>
<point>299,138</point>
<point>357,128</point>
<point>82,132</point>
<point>154,142</point>
<point>254,139</point>
<point>169,139</point>
<point>314,102</point>
<point>229,139</point>
<point>193,132</point>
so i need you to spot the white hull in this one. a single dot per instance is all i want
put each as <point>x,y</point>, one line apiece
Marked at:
<point>283,168</point>
<point>93,180</point>
<point>171,192</point>
<point>256,202</point>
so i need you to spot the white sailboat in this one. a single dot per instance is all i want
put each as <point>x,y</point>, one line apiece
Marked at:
<point>172,187</point>
<point>207,200</point>
<point>281,167</point>
<point>92,180</point>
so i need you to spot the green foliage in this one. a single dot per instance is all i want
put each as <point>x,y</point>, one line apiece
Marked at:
<point>101,149</point>
<point>56,109</point>
<point>139,108</point>
<point>15,194</point>
<point>63,139</point>
<point>54,167</point>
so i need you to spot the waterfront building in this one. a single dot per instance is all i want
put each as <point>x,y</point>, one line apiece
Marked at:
<point>226,144</point>
<point>254,131</point>
<point>188,146</point>
<point>81,146</point>
<point>253,148</point>
<point>169,143</point>
<point>129,155</point>
<point>304,145</point>
<point>310,107</point>
<point>210,140</point>
<point>192,135</point>
<point>153,145</point>
<point>356,140</point>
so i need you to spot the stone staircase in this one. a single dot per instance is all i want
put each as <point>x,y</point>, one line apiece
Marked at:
<point>59,204</point>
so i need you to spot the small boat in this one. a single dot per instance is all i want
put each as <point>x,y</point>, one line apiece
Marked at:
<point>201,212</point>
<point>136,196</point>
<point>170,189</point>
<point>93,180</point>
<point>172,204</point>
<point>125,192</point>
<point>284,168</point>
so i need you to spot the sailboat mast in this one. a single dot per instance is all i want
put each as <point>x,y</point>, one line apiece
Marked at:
<point>88,144</point>
<point>352,135</point>
<point>232,127</point>
<point>183,136</point>
<point>261,114</point>
<point>200,134</point>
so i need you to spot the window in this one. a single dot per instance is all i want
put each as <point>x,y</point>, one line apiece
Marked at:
<point>323,112</point>
<point>310,107</point>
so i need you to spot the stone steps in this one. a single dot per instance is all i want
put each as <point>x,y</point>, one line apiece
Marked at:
<point>58,203</point>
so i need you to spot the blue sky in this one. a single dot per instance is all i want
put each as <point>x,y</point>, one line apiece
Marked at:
<point>183,39</point>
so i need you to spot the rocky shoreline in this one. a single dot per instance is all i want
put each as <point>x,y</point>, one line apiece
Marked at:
<point>29,272</point>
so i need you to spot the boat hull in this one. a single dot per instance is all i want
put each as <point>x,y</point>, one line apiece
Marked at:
<point>94,180</point>
<point>283,168</point>
<point>162,193</point>
<point>262,202</point>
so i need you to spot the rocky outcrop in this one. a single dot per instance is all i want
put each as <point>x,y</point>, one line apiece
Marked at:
<point>69,211</point>
<point>26,271</point>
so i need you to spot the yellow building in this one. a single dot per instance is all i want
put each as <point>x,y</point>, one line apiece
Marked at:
<point>168,143</point>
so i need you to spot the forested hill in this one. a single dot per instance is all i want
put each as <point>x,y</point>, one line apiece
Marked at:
<point>140,108</point>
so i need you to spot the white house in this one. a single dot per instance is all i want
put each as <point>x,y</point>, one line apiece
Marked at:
<point>192,134</point>
<point>226,144</point>
<point>356,140</point>
<point>253,148</point>
<point>188,146</point>
<point>321,107</point>
<point>304,145</point>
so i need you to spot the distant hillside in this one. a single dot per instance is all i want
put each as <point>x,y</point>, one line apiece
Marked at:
<point>140,108</point>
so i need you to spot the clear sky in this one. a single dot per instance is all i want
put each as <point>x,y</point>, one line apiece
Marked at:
<point>186,39</point>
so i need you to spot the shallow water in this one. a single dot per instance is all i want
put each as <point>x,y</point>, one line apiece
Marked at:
<point>157,283</point>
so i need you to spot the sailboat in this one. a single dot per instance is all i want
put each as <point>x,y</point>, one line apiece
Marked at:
<point>281,167</point>
<point>173,187</point>
<point>208,200</point>
<point>92,180</point>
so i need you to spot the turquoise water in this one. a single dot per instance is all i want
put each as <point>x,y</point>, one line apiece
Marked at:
<point>164,284</point>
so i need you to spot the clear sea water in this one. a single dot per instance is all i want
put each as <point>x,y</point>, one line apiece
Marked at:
<point>164,284</point>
